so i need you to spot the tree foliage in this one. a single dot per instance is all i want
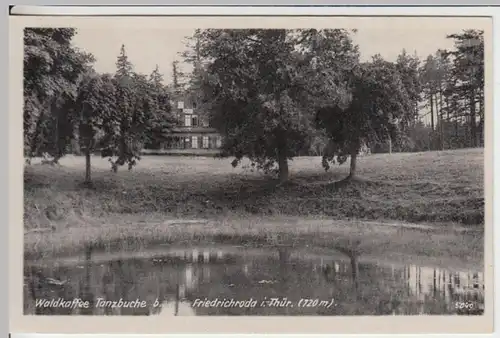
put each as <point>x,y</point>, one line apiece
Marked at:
<point>66,100</point>
<point>141,114</point>
<point>258,86</point>
<point>379,109</point>
<point>467,72</point>
<point>162,119</point>
<point>272,93</point>
<point>408,67</point>
<point>453,83</point>
<point>52,70</point>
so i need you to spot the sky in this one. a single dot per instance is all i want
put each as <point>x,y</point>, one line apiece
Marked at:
<point>148,47</point>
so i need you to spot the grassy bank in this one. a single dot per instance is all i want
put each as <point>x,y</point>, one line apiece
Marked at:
<point>439,188</point>
<point>444,246</point>
<point>422,187</point>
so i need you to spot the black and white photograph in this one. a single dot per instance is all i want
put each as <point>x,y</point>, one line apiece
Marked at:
<point>312,171</point>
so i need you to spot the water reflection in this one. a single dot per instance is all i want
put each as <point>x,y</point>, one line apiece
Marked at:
<point>190,282</point>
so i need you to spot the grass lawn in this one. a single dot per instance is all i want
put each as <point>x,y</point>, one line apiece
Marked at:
<point>444,190</point>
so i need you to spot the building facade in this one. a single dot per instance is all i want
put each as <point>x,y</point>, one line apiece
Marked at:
<point>193,134</point>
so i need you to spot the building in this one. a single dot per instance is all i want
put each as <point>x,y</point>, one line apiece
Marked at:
<point>193,135</point>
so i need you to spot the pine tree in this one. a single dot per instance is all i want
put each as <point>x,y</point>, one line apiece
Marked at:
<point>123,65</point>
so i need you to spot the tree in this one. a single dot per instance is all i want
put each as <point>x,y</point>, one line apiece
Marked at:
<point>142,114</point>
<point>124,67</point>
<point>175,74</point>
<point>124,137</point>
<point>257,84</point>
<point>161,118</point>
<point>436,81</point>
<point>120,113</point>
<point>379,107</point>
<point>52,71</point>
<point>443,82</point>
<point>453,83</point>
<point>468,72</point>
<point>430,79</point>
<point>97,114</point>
<point>408,68</point>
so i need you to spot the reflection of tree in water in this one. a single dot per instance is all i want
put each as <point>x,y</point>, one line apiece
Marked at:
<point>286,268</point>
<point>358,288</point>
<point>41,286</point>
<point>86,292</point>
<point>127,279</point>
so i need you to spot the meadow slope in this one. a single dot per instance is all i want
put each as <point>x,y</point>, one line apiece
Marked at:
<point>444,189</point>
<point>419,187</point>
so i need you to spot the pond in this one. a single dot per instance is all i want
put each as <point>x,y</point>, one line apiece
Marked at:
<point>234,281</point>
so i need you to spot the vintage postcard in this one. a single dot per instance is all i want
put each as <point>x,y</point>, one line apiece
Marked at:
<point>251,174</point>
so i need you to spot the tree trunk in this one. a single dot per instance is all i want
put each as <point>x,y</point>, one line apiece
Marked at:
<point>88,169</point>
<point>417,115</point>
<point>88,178</point>
<point>283,165</point>
<point>447,123</point>
<point>432,112</point>
<point>481,132</point>
<point>481,121</point>
<point>390,145</point>
<point>441,114</point>
<point>87,134</point>
<point>352,169</point>
<point>473,121</point>
<point>432,122</point>
<point>282,148</point>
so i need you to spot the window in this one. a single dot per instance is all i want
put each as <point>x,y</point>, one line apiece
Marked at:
<point>204,121</point>
<point>195,120</point>
<point>205,142</point>
<point>186,142</point>
<point>180,105</point>
<point>194,142</point>
<point>187,120</point>
<point>218,142</point>
<point>175,144</point>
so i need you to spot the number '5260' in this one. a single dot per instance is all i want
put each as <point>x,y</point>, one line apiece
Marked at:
<point>464,305</point>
